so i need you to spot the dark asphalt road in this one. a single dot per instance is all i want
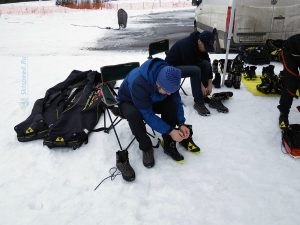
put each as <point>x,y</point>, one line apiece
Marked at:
<point>145,29</point>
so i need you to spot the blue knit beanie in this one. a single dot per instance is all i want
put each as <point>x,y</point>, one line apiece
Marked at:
<point>207,38</point>
<point>169,78</point>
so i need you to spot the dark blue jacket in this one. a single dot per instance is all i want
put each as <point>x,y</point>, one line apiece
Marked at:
<point>139,87</point>
<point>291,50</point>
<point>185,52</point>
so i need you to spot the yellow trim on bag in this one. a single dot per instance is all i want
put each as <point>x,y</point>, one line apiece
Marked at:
<point>29,130</point>
<point>59,139</point>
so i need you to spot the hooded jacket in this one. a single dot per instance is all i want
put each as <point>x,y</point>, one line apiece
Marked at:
<point>139,87</point>
<point>291,55</point>
<point>185,52</point>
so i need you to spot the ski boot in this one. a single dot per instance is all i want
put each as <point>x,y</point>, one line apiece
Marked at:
<point>246,72</point>
<point>215,66</point>
<point>221,63</point>
<point>217,104</point>
<point>250,72</point>
<point>217,81</point>
<point>223,95</point>
<point>283,121</point>
<point>229,81</point>
<point>189,144</point>
<point>229,63</point>
<point>237,64</point>
<point>280,81</point>
<point>237,81</point>
<point>265,85</point>
<point>170,149</point>
<point>124,166</point>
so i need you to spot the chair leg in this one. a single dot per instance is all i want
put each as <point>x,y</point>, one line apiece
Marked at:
<point>114,123</point>
<point>182,88</point>
<point>112,126</point>
<point>114,130</point>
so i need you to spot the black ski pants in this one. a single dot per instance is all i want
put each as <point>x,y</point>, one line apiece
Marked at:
<point>291,83</point>
<point>200,73</point>
<point>166,108</point>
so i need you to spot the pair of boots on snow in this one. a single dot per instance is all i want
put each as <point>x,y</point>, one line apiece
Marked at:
<point>234,70</point>
<point>169,146</point>
<point>270,82</point>
<point>215,102</point>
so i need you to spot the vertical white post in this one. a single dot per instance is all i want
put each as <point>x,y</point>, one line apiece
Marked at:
<point>229,38</point>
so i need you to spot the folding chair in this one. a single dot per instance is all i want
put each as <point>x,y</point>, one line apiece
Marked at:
<point>109,75</point>
<point>159,47</point>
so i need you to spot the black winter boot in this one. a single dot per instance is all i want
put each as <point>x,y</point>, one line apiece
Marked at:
<point>217,80</point>
<point>148,158</point>
<point>124,166</point>
<point>229,63</point>
<point>229,81</point>
<point>252,73</point>
<point>215,66</point>
<point>201,109</point>
<point>237,81</point>
<point>170,149</point>
<point>224,95</point>
<point>221,64</point>
<point>217,104</point>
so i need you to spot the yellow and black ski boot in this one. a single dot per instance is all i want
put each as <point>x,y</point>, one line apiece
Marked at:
<point>169,146</point>
<point>283,121</point>
<point>190,145</point>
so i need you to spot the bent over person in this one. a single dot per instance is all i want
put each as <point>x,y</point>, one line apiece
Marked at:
<point>191,57</point>
<point>146,91</point>
<point>290,58</point>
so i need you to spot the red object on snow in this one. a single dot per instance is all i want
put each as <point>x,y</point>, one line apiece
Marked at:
<point>294,152</point>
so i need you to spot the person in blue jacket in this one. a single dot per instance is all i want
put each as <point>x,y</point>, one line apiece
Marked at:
<point>190,55</point>
<point>153,88</point>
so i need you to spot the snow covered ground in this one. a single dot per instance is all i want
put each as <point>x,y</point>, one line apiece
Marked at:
<point>241,176</point>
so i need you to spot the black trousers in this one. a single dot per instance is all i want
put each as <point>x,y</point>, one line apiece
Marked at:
<point>166,108</point>
<point>198,74</point>
<point>291,83</point>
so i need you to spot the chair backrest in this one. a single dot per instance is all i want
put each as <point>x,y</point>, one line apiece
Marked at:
<point>117,72</point>
<point>158,47</point>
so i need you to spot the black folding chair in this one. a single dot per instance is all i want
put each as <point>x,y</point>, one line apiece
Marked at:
<point>109,75</point>
<point>159,47</point>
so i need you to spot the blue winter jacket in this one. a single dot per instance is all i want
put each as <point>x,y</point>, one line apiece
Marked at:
<point>139,87</point>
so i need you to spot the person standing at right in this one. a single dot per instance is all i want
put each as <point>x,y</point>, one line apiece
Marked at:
<point>190,55</point>
<point>290,58</point>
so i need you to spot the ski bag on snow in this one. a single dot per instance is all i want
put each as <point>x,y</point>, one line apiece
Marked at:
<point>291,140</point>
<point>67,114</point>
<point>256,55</point>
